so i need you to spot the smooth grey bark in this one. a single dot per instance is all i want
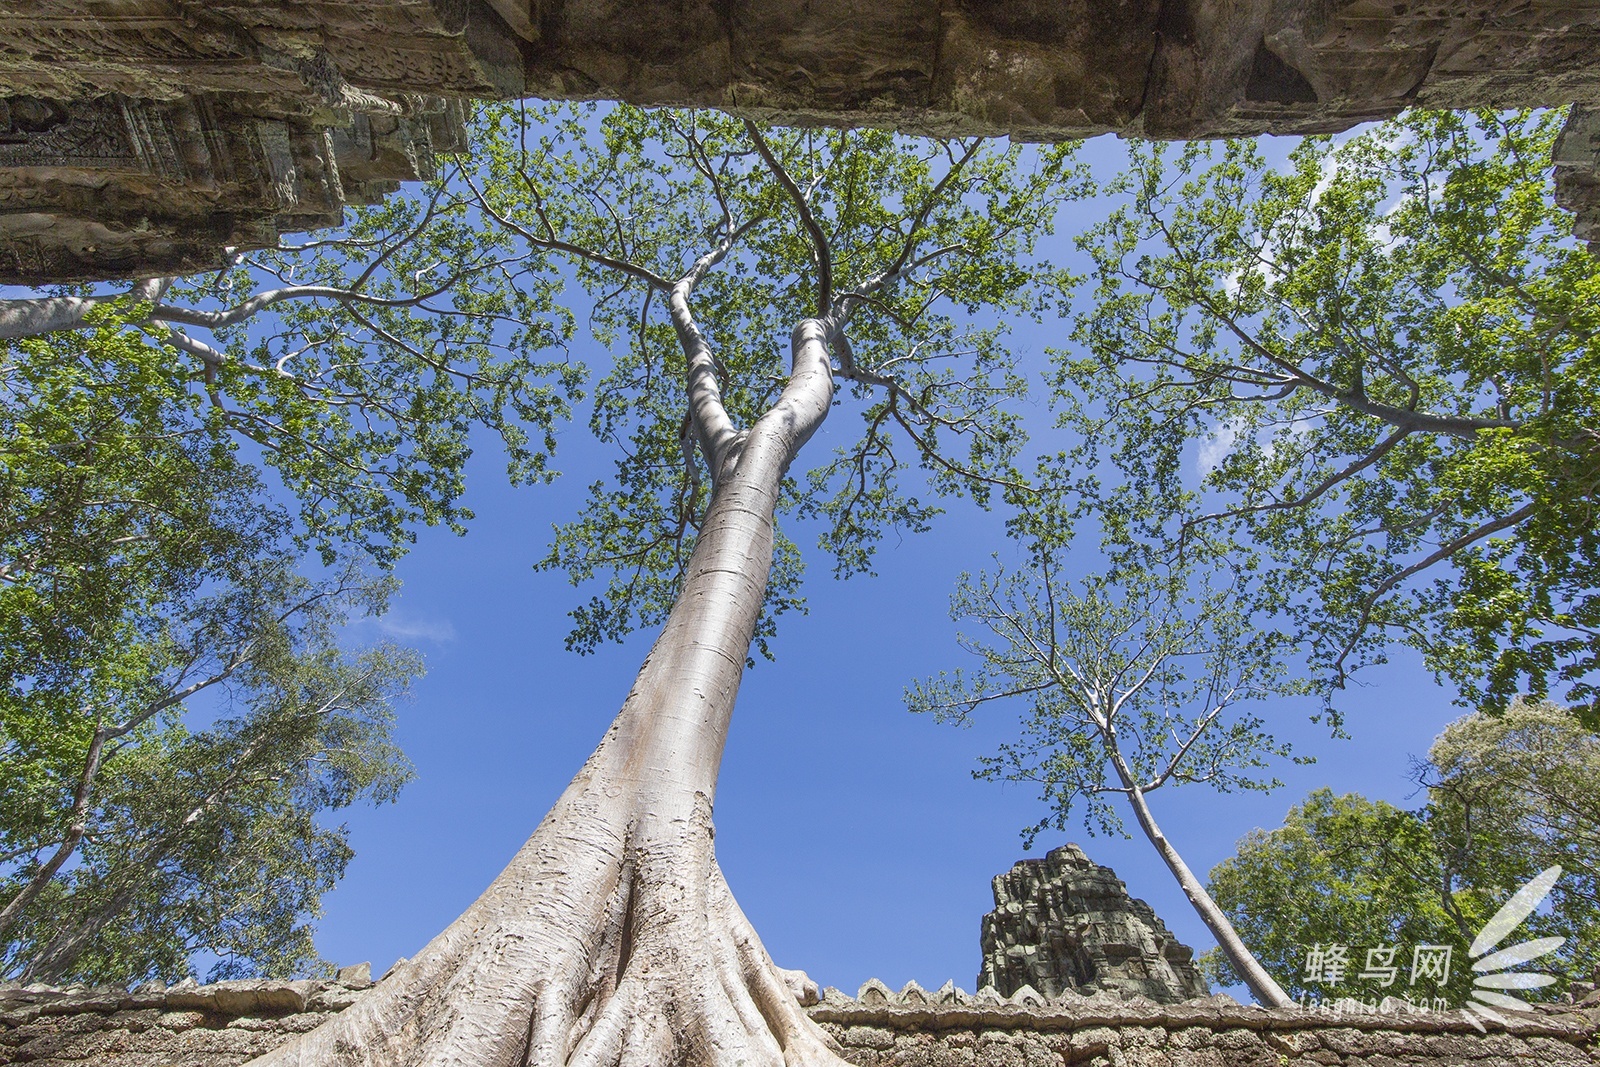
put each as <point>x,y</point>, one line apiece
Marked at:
<point>35,316</point>
<point>611,937</point>
<point>1262,985</point>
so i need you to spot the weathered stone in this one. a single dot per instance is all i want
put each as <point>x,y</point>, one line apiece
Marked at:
<point>244,997</point>
<point>140,137</point>
<point>889,1030</point>
<point>873,991</point>
<point>1026,67</point>
<point>869,1037</point>
<point>124,187</point>
<point>178,1021</point>
<point>356,977</point>
<point>1066,923</point>
<point>1577,166</point>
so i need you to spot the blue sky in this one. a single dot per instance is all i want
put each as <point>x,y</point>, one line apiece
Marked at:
<point>850,830</point>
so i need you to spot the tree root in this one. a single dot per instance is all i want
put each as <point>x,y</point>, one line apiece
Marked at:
<point>599,946</point>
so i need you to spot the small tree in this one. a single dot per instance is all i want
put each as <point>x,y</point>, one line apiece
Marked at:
<point>186,840</point>
<point>1342,877</point>
<point>1513,794</point>
<point>142,570</point>
<point>1509,796</point>
<point>1135,683</point>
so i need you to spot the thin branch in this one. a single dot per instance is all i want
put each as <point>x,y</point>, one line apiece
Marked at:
<point>1444,551</point>
<point>819,241</point>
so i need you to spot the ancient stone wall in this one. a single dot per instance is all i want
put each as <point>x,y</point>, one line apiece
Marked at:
<point>916,1028</point>
<point>187,1025</point>
<point>227,1024</point>
<point>291,55</point>
<point>145,137</point>
<point>1065,923</point>
<point>1577,166</point>
<point>1037,68</point>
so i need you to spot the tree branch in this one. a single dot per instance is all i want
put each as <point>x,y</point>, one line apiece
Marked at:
<point>819,241</point>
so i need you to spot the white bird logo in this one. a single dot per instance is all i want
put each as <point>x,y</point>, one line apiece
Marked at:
<point>1493,976</point>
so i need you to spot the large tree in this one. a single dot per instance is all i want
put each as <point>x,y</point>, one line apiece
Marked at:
<point>703,244</point>
<point>1513,794</point>
<point>1383,355</point>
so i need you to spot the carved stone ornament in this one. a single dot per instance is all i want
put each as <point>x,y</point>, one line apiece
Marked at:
<point>1066,924</point>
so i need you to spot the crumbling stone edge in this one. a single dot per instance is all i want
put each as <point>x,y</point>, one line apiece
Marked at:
<point>914,1008</point>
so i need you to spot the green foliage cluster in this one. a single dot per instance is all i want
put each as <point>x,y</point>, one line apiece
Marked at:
<point>1131,681</point>
<point>213,841</point>
<point>1344,871</point>
<point>387,347</point>
<point>1386,352</point>
<point>143,571</point>
<point>1509,795</point>
<point>634,202</point>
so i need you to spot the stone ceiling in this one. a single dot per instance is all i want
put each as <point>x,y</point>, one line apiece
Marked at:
<point>149,136</point>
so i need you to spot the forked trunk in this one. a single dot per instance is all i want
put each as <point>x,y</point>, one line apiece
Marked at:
<point>611,938</point>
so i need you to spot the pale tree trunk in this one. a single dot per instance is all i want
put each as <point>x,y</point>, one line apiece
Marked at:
<point>49,965</point>
<point>78,825</point>
<point>611,938</point>
<point>33,317</point>
<point>1244,963</point>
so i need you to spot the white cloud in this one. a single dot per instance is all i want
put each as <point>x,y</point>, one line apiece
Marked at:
<point>1216,445</point>
<point>1330,171</point>
<point>406,627</point>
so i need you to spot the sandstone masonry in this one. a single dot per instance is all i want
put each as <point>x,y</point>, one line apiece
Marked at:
<point>140,137</point>
<point>1065,923</point>
<point>229,1023</point>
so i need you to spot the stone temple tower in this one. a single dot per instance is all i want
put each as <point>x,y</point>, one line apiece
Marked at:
<point>1066,923</point>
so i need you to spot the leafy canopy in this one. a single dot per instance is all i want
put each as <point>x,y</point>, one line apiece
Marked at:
<point>140,567</point>
<point>1383,356</point>
<point>1130,680</point>
<point>770,228</point>
<point>1345,872</point>
<point>1508,796</point>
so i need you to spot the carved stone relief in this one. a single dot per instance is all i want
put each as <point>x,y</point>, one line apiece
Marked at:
<point>1066,924</point>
